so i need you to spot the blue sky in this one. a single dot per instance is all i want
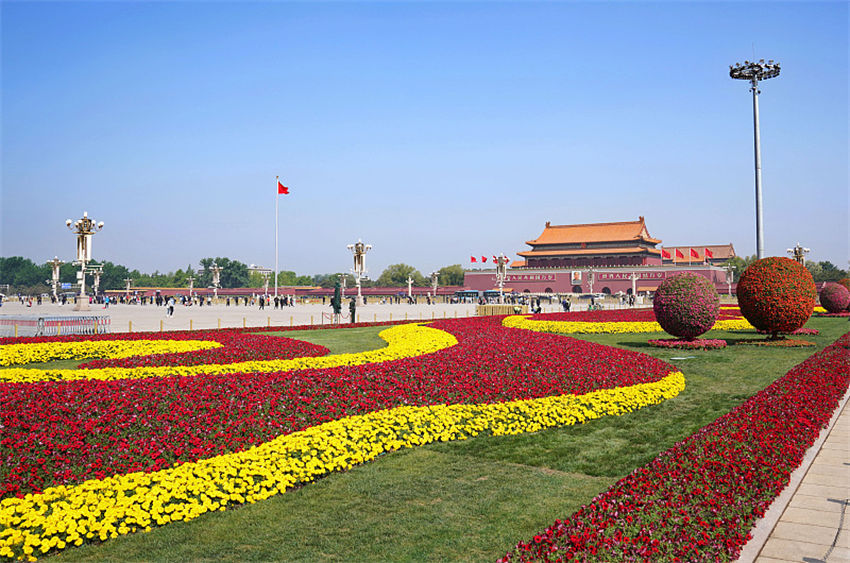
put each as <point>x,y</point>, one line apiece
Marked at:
<point>433,131</point>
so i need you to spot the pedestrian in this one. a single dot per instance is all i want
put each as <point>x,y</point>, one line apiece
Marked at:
<point>352,308</point>
<point>171,304</point>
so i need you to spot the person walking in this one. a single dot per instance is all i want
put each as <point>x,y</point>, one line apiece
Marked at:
<point>171,304</point>
<point>352,308</point>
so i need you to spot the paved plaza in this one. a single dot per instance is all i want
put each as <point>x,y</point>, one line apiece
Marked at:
<point>143,318</point>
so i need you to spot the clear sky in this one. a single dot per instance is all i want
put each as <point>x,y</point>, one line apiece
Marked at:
<point>432,130</point>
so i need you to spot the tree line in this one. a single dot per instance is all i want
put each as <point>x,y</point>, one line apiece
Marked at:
<point>25,276</point>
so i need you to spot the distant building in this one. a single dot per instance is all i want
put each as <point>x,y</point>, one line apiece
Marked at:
<point>603,258</point>
<point>596,245</point>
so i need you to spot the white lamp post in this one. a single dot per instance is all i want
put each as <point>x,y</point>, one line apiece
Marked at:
<point>84,228</point>
<point>55,264</point>
<point>359,250</point>
<point>216,278</point>
<point>798,253</point>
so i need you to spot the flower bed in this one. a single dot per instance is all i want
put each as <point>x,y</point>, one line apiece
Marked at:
<point>404,341</point>
<point>799,332</point>
<point>699,500</point>
<point>697,344</point>
<point>562,323</point>
<point>84,441</point>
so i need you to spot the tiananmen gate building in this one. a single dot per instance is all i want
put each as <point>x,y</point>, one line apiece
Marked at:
<point>603,258</point>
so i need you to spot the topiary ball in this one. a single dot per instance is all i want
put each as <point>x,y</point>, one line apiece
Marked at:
<point>686,305</point>
<point>776,295</point>
<point>845,282</point>
<point>834,297</point>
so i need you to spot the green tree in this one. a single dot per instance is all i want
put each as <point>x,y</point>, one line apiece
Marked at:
<point>20,272</point>
<point>451,275</point>
<point>396,276</point>
<point>825,271</point>
<point>233,273</point>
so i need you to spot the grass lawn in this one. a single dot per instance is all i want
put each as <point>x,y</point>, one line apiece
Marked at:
<point>345,341</point>
<point>469,500</point>
<point>55,364</point>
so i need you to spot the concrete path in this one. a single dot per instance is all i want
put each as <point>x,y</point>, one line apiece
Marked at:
<point>810,521</point>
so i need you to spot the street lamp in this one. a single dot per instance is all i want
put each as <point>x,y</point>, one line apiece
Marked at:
<point>359,250</point>
<point>435,276</point>
<point>798,253</point>
<point>216,279</point>
<point>265,272</point>
<point>96,271</point>
<point>501,275</point>
<point>55,264</point>
<point>84,228</point>
<point>754,72</point>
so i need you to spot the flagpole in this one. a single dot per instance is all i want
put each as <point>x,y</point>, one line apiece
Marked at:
<point>276,200</point>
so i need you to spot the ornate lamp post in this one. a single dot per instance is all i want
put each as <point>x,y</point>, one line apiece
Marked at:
<point>434,277</point>
<point>359,250</point>
<point>129,282</point>
<point>501,275</point>
<point>754,72</point>
<point>216,278</point>
<point>590,279</point>
<point>409,287</point>
<point>265,272</point>
<point>730,275</point>
<point>55,264</point>
<point>84,228</point>
<point>191,280</point>
<point>96,272</point>
<point>798,253</point>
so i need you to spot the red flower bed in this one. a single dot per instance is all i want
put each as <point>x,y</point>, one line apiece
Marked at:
<point>66,432</point>
<point>699,500</point>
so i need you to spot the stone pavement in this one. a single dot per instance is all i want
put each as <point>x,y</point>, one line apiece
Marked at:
<point>810,521</point>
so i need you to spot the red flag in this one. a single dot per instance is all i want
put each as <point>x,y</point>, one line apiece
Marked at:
<point>665,254</point>
<point>483,258</point>
<point>679,254</point>
<point>694,253</point>
<point>494,260</point>
<point>708,253</point>
<point>472,259</point>
<point>281,189</point>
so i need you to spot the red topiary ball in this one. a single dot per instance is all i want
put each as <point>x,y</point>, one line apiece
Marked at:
<point>834,297</point>
<point>845,282</point>
<point>776,295</point>
<point>686,305</point>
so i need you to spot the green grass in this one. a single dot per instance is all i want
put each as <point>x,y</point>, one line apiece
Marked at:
<point>55,364</point>
<point>340,341</point>
<point>469,500</point>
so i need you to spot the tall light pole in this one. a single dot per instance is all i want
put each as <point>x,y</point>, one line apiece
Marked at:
<point>435,277</point>
<point>84,228</point>
<point>501,275</point>
<point>359,250</point>
<point>754,72</point>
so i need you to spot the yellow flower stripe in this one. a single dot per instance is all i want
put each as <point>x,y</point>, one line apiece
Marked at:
<point>101,509</point>
<point>577,327</point>
<point>819,309</point>
<point>404,341</point>
<point>12,354</point>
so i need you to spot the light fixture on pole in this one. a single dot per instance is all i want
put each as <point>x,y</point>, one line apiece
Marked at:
<point>216,279</point>
<point>755,72</point>
<point>265,273</point>
<point>55,264</point>
<point>435,276</point>
<point>96,271</point>
<point>798,253</point>
<point>501,275</point>
<point>84,228</point>
<point>359,250</point>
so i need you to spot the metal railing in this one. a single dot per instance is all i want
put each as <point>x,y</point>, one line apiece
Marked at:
<point>16,326</point>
